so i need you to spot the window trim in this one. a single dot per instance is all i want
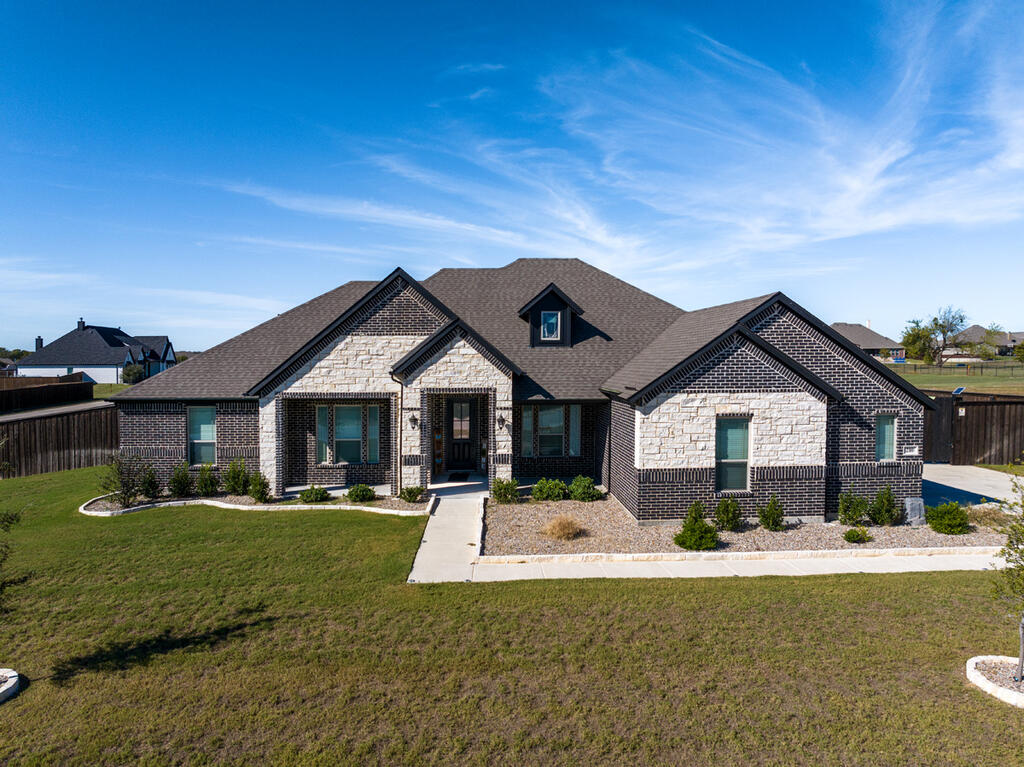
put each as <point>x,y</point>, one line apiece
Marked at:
<point>558,325</point>
<point>895,420</point>
<point>188,433</point>
<point>733,461</point>
<point>359,440</point>
<point>561,431</point>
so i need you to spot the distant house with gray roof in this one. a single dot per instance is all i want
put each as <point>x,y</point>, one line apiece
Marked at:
<point>870,342</point>
<point>100,353</point>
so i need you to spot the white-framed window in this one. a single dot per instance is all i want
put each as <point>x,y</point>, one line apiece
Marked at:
<point>348,433</point>
<point>550,326</point>
<point>526,442</point>
<point>202,435</point>
<point>550,430</point>
<point>574,430</point>
<point>732,451</point>
<point>885,437</point>
<point>373,434</point>
<point>323,434</point>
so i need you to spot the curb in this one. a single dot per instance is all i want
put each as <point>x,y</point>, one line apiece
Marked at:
<point>427,511</point>
<point>9,688</point>
<point>693,556</point>
<point>976,678</point>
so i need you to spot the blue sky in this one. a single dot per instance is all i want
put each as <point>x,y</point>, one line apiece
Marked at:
<point>176,168</point>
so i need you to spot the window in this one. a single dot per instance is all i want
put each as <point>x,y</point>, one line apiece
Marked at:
<point>550,430</point>
<point>323,435</point>
<point>460,420</point>
<point>70,370</point>
<point>526,448</point>
<point>373,434</point>
<point>348,433</point>
<point>732,445</point>
<point>885,438</point>
<point>202,435</point>
<point>574,430</point>
<point>550,326</point>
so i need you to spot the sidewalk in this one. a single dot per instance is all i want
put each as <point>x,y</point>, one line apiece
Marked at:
<point>451,541</point>
<point>966,484</point>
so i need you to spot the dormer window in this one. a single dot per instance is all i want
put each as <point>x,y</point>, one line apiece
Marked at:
<point>550,326</point>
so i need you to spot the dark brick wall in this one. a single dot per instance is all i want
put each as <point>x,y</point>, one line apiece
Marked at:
<point>622,474</point>
<point>158,433</point>
<point>301,466</point>
<point>585,463</point>
<point>602,448</point>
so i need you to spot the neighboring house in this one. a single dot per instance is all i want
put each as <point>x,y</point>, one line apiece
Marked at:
<point>7,367</point>
<point>100,353</point>
<point>1003,341</point>
<point>870,342</point>
<point>544,367</point>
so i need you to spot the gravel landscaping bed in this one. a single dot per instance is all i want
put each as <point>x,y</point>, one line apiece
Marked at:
<point>610,529</point>
<point>1000,674</point>
<point>108,504</point>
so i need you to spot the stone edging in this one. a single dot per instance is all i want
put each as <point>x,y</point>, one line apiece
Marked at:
<point>978,679</point>
<point>710,556</point>
<point>427,510</point>
<point>10,687</point>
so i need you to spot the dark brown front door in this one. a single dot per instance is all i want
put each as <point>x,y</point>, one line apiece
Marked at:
<point>460,449</point>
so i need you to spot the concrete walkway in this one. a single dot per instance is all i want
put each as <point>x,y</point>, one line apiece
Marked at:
<point>451,541</point>
<point>945,482</point>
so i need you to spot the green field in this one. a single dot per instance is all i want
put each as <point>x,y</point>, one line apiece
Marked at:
<point>993,381</point>
<point>102,391</point>
<point>200,635</point>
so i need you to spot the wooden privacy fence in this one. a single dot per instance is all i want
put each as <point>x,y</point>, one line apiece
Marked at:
<point>44,396</point>
<point>72,440</point>
<point>20,382</point>
<point>974,428</point>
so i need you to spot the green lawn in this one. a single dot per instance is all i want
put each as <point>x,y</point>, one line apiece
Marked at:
<point>201,635</point>
<point>989,384</point>
<point>102,391</point>
<point>1008,468</point>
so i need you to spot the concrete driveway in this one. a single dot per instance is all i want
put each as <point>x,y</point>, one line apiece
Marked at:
<point>965,484</point>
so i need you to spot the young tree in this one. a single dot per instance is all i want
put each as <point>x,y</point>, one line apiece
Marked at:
<point>1018,353</point>
<point>1009,584</point>
<point>917,340</point>
<point>929,341</point>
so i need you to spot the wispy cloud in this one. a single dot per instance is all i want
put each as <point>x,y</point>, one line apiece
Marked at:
<point>475,68</point>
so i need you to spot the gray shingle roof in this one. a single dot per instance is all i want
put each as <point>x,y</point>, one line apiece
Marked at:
<point>685,336</point>
<point>975,334</point>
<point>228,370</point>
<point>94,345</point>
<point>620,320</point>
<point>864,337</point>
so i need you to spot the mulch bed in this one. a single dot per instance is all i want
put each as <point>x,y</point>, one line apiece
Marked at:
<point>397,504</point>
<point>1000,674</point>
<point>609,528</point>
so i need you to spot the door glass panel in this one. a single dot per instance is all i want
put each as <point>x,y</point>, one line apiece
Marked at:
<point>460,420</point>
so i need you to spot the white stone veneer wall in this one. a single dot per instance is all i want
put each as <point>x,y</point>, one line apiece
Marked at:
<point>677,429</point>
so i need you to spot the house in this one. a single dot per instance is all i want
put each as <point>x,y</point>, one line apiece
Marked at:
<point>870,342</point>
<point>7,367</point>
<point>543,367</point>
<point>1003,341</point>
<point>100,353</point>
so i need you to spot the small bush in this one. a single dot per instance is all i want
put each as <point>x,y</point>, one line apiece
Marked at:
<point>412,494</point>
<point>549,490</point>
<point>771,516</point>
<point>181,484</point>
<point>314,494</point>
<point>857,535</point>
<point>259,487</point>
<point>563,527</point>
<point>361,493</point>
<point>505,491</point>
<point>149,485</point>
<point>582,489</point>
<point>727,515</point>
<point>883,510</point>
<point>132,374</point>
<point>853,509</point>
<point>696,534</point>
<point>207,483</point>
<point>122,478</point>
<point>948,519</point>
<point>236,478</point>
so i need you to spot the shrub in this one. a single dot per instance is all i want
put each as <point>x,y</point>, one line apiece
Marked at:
<point>314,494</point>
<point>948,519</point>
<point>582,489</point>
<point>883,510</point>
<point>505,491</point>
<point>361,493</point>
<point>857,535</point>
<point>563,527</point>
<point>412,494</point>
<point>207,483</point>
<point>727,515</point>
<point>236,478</point>
<point>122,478</point>
<point>132,374</point>
<point>259,487</point>
<point>549,490</point>
<point>149,485</point>
<point>181,484</point>
<point>853,509</point>
<point>771,516</point>
<point>696,534</point>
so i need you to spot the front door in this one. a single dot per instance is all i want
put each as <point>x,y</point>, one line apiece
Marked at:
<point>460,452</point>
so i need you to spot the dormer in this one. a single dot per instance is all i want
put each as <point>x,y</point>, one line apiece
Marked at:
<point>550,315</point>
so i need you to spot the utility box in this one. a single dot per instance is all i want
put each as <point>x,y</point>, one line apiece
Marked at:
<point>914,508</point>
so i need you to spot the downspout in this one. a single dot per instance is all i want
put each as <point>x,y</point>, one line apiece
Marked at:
<point>400,417</point>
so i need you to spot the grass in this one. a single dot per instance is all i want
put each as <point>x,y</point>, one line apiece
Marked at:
<point>989,384</point>
<point>104,390</point>
<point>198,635</point>
<point>1008,468</point>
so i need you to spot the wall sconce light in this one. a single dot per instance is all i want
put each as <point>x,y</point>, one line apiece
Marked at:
<point>501,422</point>
<point>414,421</point>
